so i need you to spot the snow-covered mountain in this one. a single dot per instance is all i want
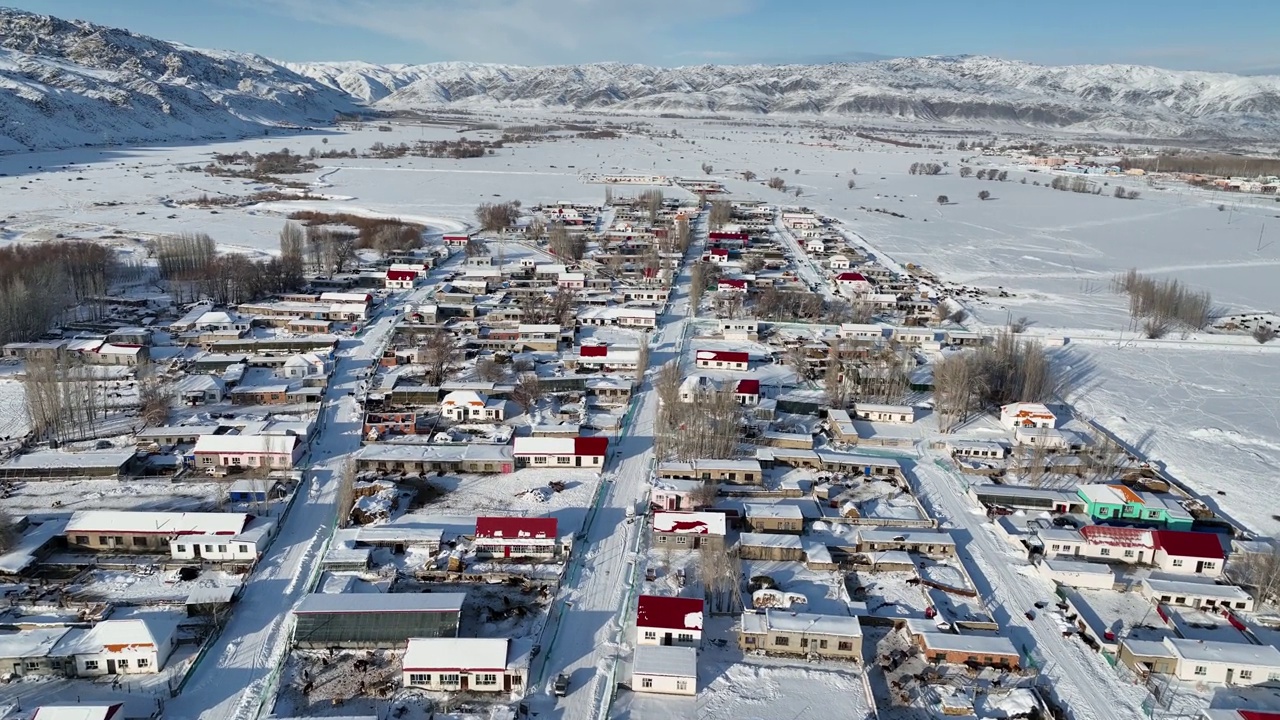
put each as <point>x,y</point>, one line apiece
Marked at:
<point>67,83</point>
<point>1099,98</point>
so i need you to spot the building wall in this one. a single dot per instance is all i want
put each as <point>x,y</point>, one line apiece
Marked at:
<point>556,461</point>
<point>774,525</point>
<point>369,630</point>
<point>490,548</point>
<point>110,541</point>
<point>792,643</point>
<point>513,680</point>
<point>129,661</point>
<point>227,550</point>
<point>663,684</point>
<point>665,636</point>
<point>755,552</point>
<point>687,541</point>
<point>960,657</point>
<point>1218,672</point>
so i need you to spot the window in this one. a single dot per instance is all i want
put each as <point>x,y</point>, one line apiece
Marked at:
<point>751,641</point>
<point>662,539</point>
<point>139,540</point>
<point>82,539</point>
<point>235,461</point>
<point>1239,606</point>
<point>208,548</point>
<point>449,680</point>
<point>684,684</point>
<point>1246,674</point>
<point>1177,562</point>
<point>35,665</point>
<point>564,460</point>
<point>103,540</point>
<point>822,644</point>
<point>844,646</point>
<point>1128,553</point>
<point>222,548</point>
<point>119,539</point>
<point>90,664</point>
<point>650,635</point>
<point>1202,670</point>
<point>1104,551</point>
<point>143,662</point>
<point>782,641</point>
<point>1103,512</point>
<point>646,682</point>
<point>804,643</point>
<point>244,548</point>
<point>1180,600</point>
<point>539,460</point>
<point>124,663</point>
<point>1056,547</point>
<point>486,679</point>
<point>1166,598</point>
<point>685,637</point>
<point>180,548</point>
<point>516,681</point>
<point>681,540</point>
<point>1208,565</point>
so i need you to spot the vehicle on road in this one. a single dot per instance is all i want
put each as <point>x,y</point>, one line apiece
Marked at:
<point>561,685</point>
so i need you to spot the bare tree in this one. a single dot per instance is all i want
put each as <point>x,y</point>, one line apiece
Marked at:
<point>984,195</point>
<point>777,183</point>
<point>488,370</point>
<point>293,254</point>
<point>564,244</point>
<point>497,217</point>
<point>705,495</point>
<point>642,361</point>
<point>706,168</point>
<point>966,171</point>
<point>346,474</point>
<point>439,353</point>
<point>1259,572</point>
<point>538,227</point>
<point>851,184</point>
<point>943,200</point>
<point>1020,325</point>
<point>155,396</point>
<point>8,532</point>
<point>475,247</point>
<point>721,212</point>
<point>528,391</point>
<point>748,175</point>
<point>1264,334</point>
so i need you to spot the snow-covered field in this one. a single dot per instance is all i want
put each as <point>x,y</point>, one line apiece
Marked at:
<point>13,409</point>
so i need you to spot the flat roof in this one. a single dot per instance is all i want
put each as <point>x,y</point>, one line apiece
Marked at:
<point>808,623</point>
<point>666,660</point>
<point>57,459</point>
<point>151,523</point>
<point>976,644</point>
<point>457,655</point>
<point>337,603</point>
<point>771,540</point>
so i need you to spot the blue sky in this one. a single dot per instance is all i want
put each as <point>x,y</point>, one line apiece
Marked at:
<point>1185,34</point>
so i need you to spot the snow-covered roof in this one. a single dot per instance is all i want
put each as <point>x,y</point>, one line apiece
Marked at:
<point>774,540</point>
<point>665,661</point>
<point>53,459</point>
<point>34,643</point>
<point>464,397</point>
<point>406,452</point>
<point>770,510</point>
<point>23,552</point>
<point>380,602</point>
<point>581,446</point>
<point>669,613</point>
<point>457,655</point>
<point>880,407</point>
<point>915,537</point>
<point>249,444</point>
<point>975,644</point>
<point>1186,586</point>
<point>808,623</point>
<point>151,523</point>
<point>689,523</point>
<point>1232,653</point>
<point>1057,564</point>
<point>116,635</point>
<point>78,712</point>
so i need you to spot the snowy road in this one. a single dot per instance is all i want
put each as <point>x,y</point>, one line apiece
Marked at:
<point>589,635</point>
<point>813,276</point>
<point>1083,681</point>
<point>237,674</point>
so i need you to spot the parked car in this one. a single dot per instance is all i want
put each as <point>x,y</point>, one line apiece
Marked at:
<point>561,685</point>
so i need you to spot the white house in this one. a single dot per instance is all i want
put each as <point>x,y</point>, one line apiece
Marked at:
<point>667,670</point>
<point>838,262</point>
<point>304,366</point>
<point>1189,553</point>
<point>1196,593</point>
<point>664,620</point>
<point>853,284</point>
<point>815,246</point>
<point>695,386</point>
<point>124,647</point>
<point>516,537</point>
<point>245,546</point>
<point>222,321</point>
<point>492,665</point>
<point>277,452</point>
<point>464,405</point>
<point>1231,663</point>
<point>572,452</point>
<point>722,360</point>
<point>874,412</point>
<point>1076,574</point>
<point>572,281</point>
<point>1030,415</point>
<point>747,392</point>
<point>400,279</point>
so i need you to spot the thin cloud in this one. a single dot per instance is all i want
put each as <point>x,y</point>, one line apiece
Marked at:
<point>517,31</point>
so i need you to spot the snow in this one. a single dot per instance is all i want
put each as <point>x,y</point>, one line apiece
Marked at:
<point>13,409</point>
<point>666,660</point>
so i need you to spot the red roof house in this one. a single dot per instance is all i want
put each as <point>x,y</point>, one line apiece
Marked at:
<point>570,452</point>
<point>1189,553</point>
<point>851,277</point>
<point>662,620</point>
<point>722,359</point>
<point>593,351</point>
<point>1117,536</point>
<point>508,537</point>
<point>728,236</point>
<point>732,284</point>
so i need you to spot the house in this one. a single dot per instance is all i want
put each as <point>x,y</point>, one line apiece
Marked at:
<point>717,255</point>
<point>1203,661</point>
<point>781,632</point>
<point>269,394</point>
<point>418,459</point>
<point>745,472</point>
<point>672,494</point>
<point>244,547</point>
<point>604,358</point>
<point>747,392</point>
<point>199,390</point>
<point>542,338</point>
<point>222,321</point>
<point>456,241</point>
<point>981,650</point>
<point>374,620</point>
<point>770,518</point>
<point>572,280</point>
<point>250,452</point>
<point>124,647</point>
<point>838,262</point>
<point>304,366</point>
<point>853,284</point>
<point>1189,553</point>
<point>939,543</point>
<point>863,332</point>
<point>146,531</point>
<point>1051,439</point>
<point>741,330</point>
<point>722,360</point>
<point>447,664</point>
<point>666,670</point>
<point>873,412</point>
<point>1115,502</point>
<point>697,387</point>
<point>815,246</point>
<point>770,546</point>
<point>111,354</point>
<point>737,285</point>
<point>689,530</point>
<point>400,280</point>
<point>516,537</point>
<point>1196,592</point>
<point>469,405</point>
<point>384,424</point>
<point>1112,544</point>
<point>665,620</point>
<point>36,651</point>
<point>247,491</point>
<point>1028,415</point>
<point>1075,574</point>
<point>579,452</point>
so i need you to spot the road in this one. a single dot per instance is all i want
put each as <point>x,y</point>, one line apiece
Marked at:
<point>813,276</point>
<point>237,675</point>
<point>587,638</point>
<point>1082,679</point>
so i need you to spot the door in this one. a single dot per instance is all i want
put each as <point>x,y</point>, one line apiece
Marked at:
<point>1231,673</point>
<point>195,550</point>
<point>577,460</point>
<point>666,639</point>
<point>1200,569</point>
<point>111,667</point>
<point>506,551</point>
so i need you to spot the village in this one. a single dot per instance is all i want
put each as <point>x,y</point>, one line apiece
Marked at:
<point>601,461</point>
